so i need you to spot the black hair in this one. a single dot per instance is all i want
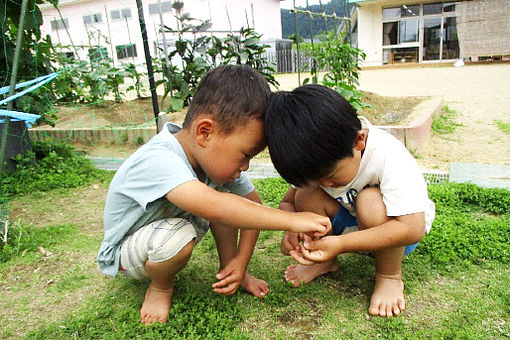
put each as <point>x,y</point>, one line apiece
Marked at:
<point>232,94</point>
<point>308,130</point>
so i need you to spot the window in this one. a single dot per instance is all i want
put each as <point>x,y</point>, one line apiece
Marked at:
<point>126,51</point>
<point>95,18</point>
<point>399,32</point>
<point>97,53</point>
<point>59,24</point>
<point>410,11</point>
<point>432,9</point>
<point>438,8</point>
<point>119,14</point>
<point>408,31</point>
<point>156,9</point>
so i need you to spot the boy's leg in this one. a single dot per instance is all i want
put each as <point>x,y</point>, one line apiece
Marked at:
<point>226,239</point>
<point>158,298</point>
<point>159,251</point>
<point>316,200</point>
<point>388,296</point>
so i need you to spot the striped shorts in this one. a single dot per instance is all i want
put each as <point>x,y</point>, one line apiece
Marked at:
<point>158,241</point>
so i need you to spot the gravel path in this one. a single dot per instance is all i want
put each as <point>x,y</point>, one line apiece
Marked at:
<point>480,94</point>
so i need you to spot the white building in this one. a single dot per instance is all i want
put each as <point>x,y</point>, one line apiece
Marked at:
<point>424,31</point>
<point>99,27</point>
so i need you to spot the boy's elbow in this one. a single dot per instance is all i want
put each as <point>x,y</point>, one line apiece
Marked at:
<point>418,232</point>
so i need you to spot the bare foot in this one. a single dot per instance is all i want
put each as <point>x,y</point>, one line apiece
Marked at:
<point>388,296</point>
<point>156,306</point>
<point>255,286</point>
<point>298,273</point>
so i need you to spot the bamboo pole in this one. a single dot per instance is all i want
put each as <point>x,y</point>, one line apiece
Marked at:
<point>12,85</point>
<point>148,61</point>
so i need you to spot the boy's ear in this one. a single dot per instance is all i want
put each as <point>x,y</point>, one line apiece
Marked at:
<point>361,140</point>
<point>204,128</point>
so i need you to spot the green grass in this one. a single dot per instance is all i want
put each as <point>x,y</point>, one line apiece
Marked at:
<point>445,123</point>
<point>503,126</point>
<point>457,282</point>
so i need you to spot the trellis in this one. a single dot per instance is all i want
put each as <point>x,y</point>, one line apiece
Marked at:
<point>324,17</point>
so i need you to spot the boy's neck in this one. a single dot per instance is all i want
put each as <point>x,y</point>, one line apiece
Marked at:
<point>187,142</point>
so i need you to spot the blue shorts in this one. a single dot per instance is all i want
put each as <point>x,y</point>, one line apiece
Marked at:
<point>344,220</point>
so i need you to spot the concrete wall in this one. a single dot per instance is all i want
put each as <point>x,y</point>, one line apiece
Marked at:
<point>370,33</point>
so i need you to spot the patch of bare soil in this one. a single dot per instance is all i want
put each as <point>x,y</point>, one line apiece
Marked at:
<point>111,114</point>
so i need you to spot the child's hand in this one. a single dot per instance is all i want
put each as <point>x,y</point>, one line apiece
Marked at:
<point>314,224</point>
<point>230,278</point>
<point>290,242</point>
<point>317,251</point>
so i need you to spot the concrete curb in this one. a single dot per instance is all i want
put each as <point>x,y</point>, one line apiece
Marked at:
<point>417,132</point>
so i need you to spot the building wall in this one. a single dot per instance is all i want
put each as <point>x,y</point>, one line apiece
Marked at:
<point>484,28</point>
<point>226,15</point>
<point>370,33</point>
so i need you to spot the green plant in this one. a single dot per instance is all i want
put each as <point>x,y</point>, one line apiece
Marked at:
<point>51,164</point>
<point>132,72</point>
<point>341,62</point>
<point>245,48</point>
<point>35,56</point>
<point>503,126</point>
<point>198,53</point>
<point>445,123</point>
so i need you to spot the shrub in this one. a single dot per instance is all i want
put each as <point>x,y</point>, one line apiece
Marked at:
<point>51,164</point>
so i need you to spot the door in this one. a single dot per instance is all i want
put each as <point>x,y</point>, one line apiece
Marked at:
<point>440,40</point>
<point>432,39</point>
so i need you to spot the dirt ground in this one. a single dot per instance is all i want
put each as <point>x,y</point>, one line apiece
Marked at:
<point>479,94</point>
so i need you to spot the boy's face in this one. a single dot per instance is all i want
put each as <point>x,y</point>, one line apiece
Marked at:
<point>346,169</point>
<point>229,154</point>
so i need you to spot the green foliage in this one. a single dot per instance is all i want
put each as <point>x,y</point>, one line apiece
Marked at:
<point>51,164</point>
<point>503,126</point>
<point>35,56</point>
<point>131,71</point>
<point>245,48</point>
<point>445,123</point>
<point>472,225</point>
<point>341,61</point>
<point>198,53</point>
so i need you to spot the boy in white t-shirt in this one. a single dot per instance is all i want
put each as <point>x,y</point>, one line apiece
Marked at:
<point>362,178</point>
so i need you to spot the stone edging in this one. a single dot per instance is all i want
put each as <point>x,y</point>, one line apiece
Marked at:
<point>414,135</point>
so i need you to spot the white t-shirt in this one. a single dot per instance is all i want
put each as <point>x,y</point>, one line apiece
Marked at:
<point>387,164</point>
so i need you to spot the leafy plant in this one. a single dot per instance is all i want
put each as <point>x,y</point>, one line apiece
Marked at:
<point>132,72</point>
<point>341,62</point>
<point>51,164</point>
<point>245,48</point>
<point>195,54</point>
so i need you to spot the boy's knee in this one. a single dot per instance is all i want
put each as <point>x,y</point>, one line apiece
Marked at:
<point>370,208</point>
<point>316,200</point>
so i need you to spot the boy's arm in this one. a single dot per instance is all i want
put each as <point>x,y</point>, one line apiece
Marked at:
<point>234,211</point>
<point>290,240</point>
<point>232,274</point>
<point>398,231</point>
